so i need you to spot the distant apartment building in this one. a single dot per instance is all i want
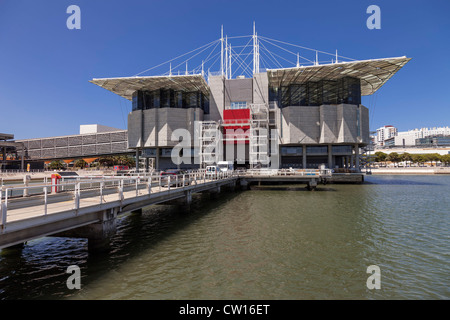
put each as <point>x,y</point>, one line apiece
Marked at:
<point>385,133</point>
<point>433,141</point>
<point>416,136</point>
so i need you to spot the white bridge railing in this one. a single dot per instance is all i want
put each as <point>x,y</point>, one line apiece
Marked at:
<point>85,191</point>
<point>290,172</point>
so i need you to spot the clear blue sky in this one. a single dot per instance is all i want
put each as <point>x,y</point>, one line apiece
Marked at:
<point>45,68</point>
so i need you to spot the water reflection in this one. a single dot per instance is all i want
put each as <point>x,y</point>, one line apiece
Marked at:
<point>404,180</point>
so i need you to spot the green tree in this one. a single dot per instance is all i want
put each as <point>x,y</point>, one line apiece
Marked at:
<point>434,157</point>
<point>421,159</point>
<point>415,158</point>
<point>106,161</point>
<point>380,156</point>
<point>406,157</point>
<point>445,159</point>
<point>119,160</point>
<point>56,165</point>
<point>393,157</point>
<point>124,160</point>
<point>80,163</point>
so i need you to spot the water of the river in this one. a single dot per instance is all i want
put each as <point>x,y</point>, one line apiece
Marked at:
<point>259,244</point>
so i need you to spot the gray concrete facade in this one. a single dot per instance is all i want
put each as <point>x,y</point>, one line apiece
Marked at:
<point>159,125</point>
<point>238,90</point>
<point>326,125</point>
<point>216,98</point>
<point>337,124</point>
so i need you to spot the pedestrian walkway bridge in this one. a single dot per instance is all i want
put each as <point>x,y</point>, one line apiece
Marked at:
<point>29,212</point>
<point>87,207</point>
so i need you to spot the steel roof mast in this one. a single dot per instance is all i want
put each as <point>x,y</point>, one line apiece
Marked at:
<point>225,56</point>
<point>255,50</point>
<point>221,50</point>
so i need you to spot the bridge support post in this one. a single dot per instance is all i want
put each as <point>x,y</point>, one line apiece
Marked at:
<point>213,193</point>
<point>188,197</point>
<point>99,233</point>
<point>304,156</point>
<point>312,184</point>
<point>244,184</point>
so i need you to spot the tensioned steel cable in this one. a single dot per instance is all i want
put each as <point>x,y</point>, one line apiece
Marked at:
<point>208,44</point>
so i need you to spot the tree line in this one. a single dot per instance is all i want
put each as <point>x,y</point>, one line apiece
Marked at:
<point>106,161</point>
<point>419,159</point>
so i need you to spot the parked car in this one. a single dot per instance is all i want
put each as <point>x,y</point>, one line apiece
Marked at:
<point>212,171</point>
<point>225,166</point>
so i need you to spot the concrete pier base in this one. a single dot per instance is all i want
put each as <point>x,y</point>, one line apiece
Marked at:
<point>188,197</point>
<point>312,184</point>
<point>12,251</point>
<point>137,211</point>
<point>244,184</point>
<point>99,233</point>
<point>185,201</point>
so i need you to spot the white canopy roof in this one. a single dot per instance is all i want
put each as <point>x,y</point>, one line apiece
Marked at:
<point>126,86</point>
<point>372,73</point>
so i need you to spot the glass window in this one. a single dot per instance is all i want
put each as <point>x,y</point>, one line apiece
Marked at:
<point>172,101</point>
<point>341,149</point>
<point>147,100</point>
<point>349,91</point>
<point>317,150</point>
<point>314,93</point>
<point>166,152</point>
<point>149,153</point>
<point>345,90</point>
<point>238,105</point>
<point>330,92</point>
<point>156,99</point>
<point>179,103</point>
<point>273,94</point>
<point>296,95</point>
<point>285,97</point>
<point>192,99</point>
<point>165,98</point>
<point>205,104</point>
<point>292,151</point>
<point>134,103</point>
<point>168,98</point>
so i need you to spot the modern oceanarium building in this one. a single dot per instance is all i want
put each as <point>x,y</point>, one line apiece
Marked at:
<point>253,111</point>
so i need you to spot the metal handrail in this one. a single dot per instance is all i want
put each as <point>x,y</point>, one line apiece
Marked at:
<point>290,172</point>
<point>105,183</point>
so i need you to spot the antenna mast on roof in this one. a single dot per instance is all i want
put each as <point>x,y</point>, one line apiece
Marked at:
<point>255,50</point>
<point>226,57</point>
<point>221,50</point>
<point>229,63</point>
